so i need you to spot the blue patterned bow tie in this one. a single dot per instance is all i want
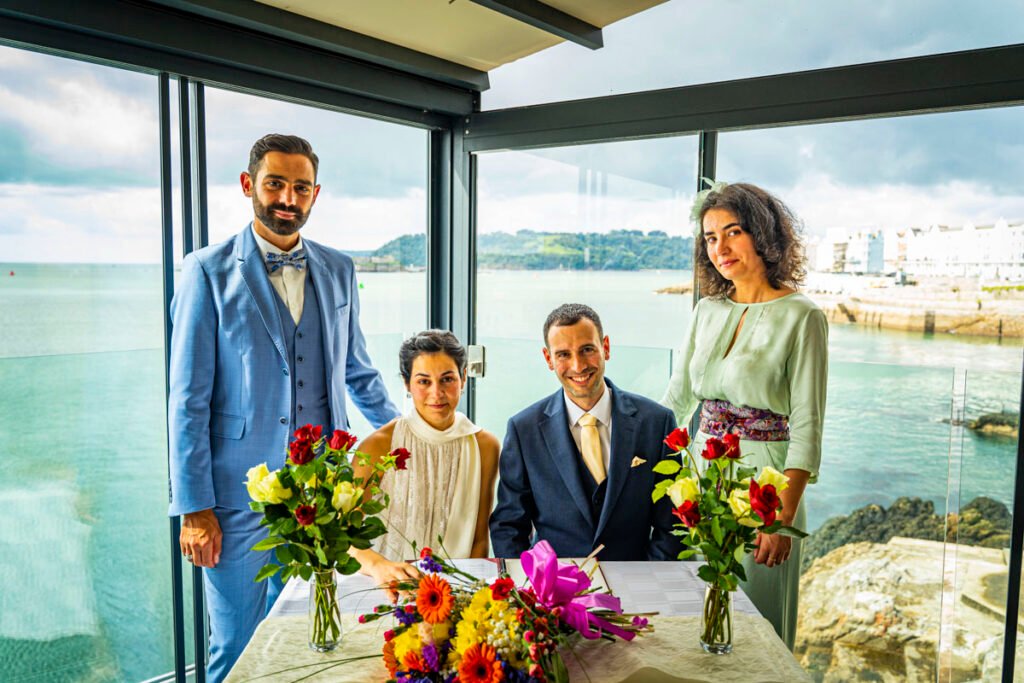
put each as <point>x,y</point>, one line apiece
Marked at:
<point>277,261</point>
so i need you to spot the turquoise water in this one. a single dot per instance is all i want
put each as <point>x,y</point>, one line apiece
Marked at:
<point>84,545</point>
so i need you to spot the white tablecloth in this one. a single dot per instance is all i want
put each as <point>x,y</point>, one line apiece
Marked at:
<point>671,654</point>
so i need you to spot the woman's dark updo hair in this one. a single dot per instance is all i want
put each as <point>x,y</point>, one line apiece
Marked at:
<point>431,341</point>
<point>774,228</point>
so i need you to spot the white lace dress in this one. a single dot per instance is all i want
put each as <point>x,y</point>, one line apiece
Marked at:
<point>438,494</point>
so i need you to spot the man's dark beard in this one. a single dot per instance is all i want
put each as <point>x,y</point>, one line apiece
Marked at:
<point>279,226</point>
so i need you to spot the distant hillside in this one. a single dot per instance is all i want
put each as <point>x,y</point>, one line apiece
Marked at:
<point>532,250</point>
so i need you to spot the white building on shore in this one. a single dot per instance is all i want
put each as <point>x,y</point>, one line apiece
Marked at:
<point>991,252</point>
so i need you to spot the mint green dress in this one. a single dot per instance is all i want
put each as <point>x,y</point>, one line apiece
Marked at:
<point>779,362</point>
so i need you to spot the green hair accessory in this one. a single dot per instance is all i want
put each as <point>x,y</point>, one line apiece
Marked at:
<point>698,200</point>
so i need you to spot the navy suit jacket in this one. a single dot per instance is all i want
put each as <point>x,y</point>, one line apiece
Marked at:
<point>541,494</point>
<point>230,392</point>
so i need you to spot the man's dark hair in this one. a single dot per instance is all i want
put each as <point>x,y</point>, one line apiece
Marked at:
<point>430,341</point>
<point>275,142</point>
<point>570,314</point>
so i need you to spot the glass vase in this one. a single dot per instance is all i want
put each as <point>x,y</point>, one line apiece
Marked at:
<point>324,611</point>
<point>716,621</point>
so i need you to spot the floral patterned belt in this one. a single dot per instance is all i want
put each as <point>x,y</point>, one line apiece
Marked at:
<point>719,418</point>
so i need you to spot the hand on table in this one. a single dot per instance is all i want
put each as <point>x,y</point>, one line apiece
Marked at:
<point>772,549</point>
<point>200,538</point>
<point>387,573</point>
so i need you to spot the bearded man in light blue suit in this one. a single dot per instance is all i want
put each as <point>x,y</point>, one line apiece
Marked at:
<point>265,339</point>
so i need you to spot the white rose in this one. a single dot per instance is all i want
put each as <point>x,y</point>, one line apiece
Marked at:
<point>682,490</point>
<point>346,496</point>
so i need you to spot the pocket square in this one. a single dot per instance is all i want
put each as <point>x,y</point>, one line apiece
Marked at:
<point>637,461</point>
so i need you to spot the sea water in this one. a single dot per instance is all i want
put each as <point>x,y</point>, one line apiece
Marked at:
<point>84,543</point>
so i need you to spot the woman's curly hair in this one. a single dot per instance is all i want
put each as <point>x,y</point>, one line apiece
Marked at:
<point>774,228</point>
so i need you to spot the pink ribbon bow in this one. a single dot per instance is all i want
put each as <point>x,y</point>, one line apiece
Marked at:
<point>558,584</point>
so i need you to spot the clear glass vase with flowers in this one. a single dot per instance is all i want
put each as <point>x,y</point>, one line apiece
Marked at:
<point>315,509</point>
<point>721,507</point>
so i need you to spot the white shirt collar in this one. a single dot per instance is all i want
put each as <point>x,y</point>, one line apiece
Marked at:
<point>602,410</point>
<point>266,246</point>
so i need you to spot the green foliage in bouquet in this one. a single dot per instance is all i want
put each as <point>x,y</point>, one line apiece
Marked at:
<point>315,507</point>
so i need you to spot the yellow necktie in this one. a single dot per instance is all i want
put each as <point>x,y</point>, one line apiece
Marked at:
<point>590,442</point>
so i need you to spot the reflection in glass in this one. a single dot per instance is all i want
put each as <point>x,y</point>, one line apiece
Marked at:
<point>83,464</point>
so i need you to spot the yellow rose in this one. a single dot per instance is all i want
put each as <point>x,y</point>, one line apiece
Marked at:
<point>770,475</point>
<point>682,490</point>
<point>739,503</point>
<point>346,496</point>
<point>264,487</point>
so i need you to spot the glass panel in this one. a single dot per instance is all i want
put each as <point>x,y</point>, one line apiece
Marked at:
<point>84,542</point>
<point>372,206</point>
<point>604,225</point>
<point>681,43</point>
<point>915,251</point>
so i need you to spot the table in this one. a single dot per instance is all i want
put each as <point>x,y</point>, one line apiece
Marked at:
<point>671,654</point>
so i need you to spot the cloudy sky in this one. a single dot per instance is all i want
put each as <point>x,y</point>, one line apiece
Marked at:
<point>79,160</point>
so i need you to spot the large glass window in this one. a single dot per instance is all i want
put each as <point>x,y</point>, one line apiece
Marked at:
<point>372,206</point>
<point>684,43</point>
<point>83,458</point>
<point>605,225</point>
<point>914,228</point>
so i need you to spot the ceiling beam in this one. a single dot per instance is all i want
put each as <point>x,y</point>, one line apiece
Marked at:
<point>945,82</point>
<point>150,27</point>
<point>259,17</point>
<point>548,19</point>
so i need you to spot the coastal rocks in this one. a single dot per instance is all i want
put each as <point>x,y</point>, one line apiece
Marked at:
<point>910,517</point>
<point>877,612</point>
<point>1003,424</point>
<point>684,288</point>
<point>982,522</point>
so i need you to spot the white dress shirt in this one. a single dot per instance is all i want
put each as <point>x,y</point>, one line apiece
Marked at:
<point>288,282</point>
<point>602,410</point>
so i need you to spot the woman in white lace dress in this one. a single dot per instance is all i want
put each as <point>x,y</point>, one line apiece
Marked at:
<point>447,487</point>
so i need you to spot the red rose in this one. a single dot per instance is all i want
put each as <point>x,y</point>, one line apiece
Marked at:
<point>678,439</point>
<point>401,456</point>
<point>764,501</point>
<point>732,446</point>
<point>425,553</point>
<point>502,588</point>
<point>713,449</point>
<point>308,433</point>
<point>300,452</point>
<point>305,514</point>
<point>388,635</point>
<point>341,440</point>
<point>688,513</point>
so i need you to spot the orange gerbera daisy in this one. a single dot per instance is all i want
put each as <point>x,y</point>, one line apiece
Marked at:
<point>389,658</point>
<point>434,599</point>
<point>413,662</point>
<point>480,665</point>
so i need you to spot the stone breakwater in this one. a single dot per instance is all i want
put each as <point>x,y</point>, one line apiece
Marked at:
<point>874,602</point>
<point>926,309</point>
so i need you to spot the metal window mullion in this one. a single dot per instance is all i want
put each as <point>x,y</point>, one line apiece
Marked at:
<point>439,230</point>
<point>463,250</point>
<point>1016,553</point>
<point>167,268</point>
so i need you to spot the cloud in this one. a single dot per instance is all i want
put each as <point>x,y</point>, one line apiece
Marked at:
<point>346,223</point>
<point>80,225</point>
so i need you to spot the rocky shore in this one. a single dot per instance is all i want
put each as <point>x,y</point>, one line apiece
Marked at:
<point>950,307</point>
<point>876,605</point>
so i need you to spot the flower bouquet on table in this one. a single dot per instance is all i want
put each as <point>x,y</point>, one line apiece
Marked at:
<point>457,628</point>
<point>315,509</point>
<point>721,508</point>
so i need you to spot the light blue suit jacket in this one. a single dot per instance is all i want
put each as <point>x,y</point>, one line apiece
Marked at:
<point>230,392</point>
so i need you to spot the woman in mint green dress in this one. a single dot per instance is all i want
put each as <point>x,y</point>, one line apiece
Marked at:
<point>755,363</point>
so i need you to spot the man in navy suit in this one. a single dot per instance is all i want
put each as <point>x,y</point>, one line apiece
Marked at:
<point>265,338</point>
<point>576,467</point>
